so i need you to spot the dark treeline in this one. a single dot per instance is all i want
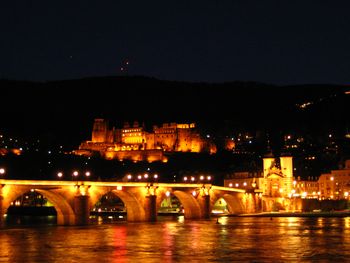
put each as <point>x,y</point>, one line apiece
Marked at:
<point>63,111</point>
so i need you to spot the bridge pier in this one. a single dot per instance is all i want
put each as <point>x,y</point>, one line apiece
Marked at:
<point>205,204</point>
<point>3,207</point>
<point>81,210</point>
<point>151,208</point>
<point>2,212</point>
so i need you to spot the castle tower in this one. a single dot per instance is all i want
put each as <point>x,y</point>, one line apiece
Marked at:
<point>278,178</point>
<point>268,163</point>
<point>99,130</point>
<point>287,170</point>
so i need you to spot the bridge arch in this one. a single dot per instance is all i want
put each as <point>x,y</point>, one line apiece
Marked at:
<point>65,212</point>
<point>132,200</point>
<point>192,209</point>
<point>233,201</point>
<point>134,209</point>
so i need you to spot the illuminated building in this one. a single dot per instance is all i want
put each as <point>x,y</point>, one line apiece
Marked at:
<point>276,180</point>
<point>282,191</point>
<point>336,184</point>
<point>135,143</point>
<point>278,176</point>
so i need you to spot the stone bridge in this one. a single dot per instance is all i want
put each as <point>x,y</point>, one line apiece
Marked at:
<point>73,200</point>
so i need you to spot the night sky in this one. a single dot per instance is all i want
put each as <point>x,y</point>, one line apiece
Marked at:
<point>277,42</point>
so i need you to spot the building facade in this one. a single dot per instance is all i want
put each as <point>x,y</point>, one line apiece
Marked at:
<point>280,189</point>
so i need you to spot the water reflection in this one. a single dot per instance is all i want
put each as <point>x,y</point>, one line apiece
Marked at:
<point>178,240</point>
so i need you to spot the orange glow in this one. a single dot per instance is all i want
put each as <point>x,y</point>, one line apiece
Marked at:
<point>179,137</point>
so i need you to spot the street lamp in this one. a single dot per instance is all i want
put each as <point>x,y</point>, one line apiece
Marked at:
<point>2,171</point>
<point>75,174</point>
<point>60,175</point>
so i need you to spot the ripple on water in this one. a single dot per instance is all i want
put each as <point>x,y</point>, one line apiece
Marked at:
<point>233,239</point>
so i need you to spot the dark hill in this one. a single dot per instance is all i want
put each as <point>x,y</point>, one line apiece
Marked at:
<point>65,110</point>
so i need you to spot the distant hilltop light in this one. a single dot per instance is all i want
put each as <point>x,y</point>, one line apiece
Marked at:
<point>347,92</point>
<point>304,105</point>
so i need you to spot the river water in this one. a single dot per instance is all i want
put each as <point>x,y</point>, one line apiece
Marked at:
<point>244,239</point>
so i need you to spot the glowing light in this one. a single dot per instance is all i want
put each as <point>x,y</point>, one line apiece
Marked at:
<point>60,174</point>
<point>75,173</point>
<point>155,176</point>
<point>346,194</point>
<point>129,176</point>
<point>332,178</point>
<point>88,174</point>
<point>167,193</point>
<point>194,193</point>
<point>230,184</point>
<point>201,177</point>
<point>209,177</point>
<point>119,187</point>
<point>145,175</point>
<point>185,178</point>
<point>2,171</point>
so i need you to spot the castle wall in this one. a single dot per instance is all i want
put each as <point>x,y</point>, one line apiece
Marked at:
<point>287,170</point>
<point>136,155</point>
<point>169,137</point>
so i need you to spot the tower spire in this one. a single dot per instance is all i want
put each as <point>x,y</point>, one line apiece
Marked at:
<point>268,148</point>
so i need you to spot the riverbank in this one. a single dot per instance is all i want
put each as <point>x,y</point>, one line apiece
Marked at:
<point>300,214</point>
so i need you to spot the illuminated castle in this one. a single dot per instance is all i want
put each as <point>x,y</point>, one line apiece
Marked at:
<point>135,143</point>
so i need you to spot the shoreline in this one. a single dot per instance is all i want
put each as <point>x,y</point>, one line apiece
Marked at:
<point>299,214</point>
